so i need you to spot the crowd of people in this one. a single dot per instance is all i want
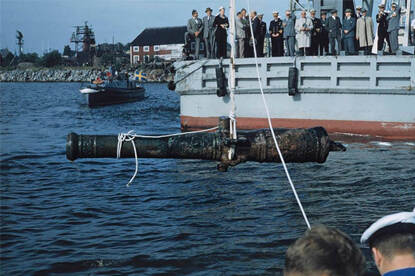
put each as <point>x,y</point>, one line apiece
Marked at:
<point>291,36</point>
<point>325,251</point>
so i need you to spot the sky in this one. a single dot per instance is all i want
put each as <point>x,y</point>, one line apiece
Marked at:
<point>48,24</point>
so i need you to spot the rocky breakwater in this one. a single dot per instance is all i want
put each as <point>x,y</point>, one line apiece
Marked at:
<point>48,75</point>
<point>72,75</point>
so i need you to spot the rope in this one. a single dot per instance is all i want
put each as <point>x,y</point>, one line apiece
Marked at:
<point>270,125</point>
<point>130,136</point>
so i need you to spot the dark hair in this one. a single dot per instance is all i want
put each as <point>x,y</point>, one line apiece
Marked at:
<point>395,244</point>
<point>243,10</point>
<point>194,11</point>
<point>238,13</point>
<point>324,249</point>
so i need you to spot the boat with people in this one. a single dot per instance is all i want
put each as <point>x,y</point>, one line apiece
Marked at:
<point>109,90</point>
<point>365,95</point>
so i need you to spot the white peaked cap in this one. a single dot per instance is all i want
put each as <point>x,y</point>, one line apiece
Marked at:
<point>221,8</point>
<point>400,219</point>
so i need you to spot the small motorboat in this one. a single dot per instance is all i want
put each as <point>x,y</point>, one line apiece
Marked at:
<point>112,91</point>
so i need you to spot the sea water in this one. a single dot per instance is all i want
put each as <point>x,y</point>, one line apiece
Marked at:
<point>179,216</point>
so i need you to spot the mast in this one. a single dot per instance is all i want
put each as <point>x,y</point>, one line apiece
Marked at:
<point>232,113</point>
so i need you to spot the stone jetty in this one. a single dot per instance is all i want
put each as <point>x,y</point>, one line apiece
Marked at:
<point>154,74</point>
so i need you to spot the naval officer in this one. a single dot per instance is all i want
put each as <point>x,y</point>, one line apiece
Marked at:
<point>394,20</point>
<point>276,31</point>
<point>392,242</point>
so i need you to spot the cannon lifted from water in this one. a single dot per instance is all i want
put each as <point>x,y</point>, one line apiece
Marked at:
<point>297,146</point>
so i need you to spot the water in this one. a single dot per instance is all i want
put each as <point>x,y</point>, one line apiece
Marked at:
<point>178,217</point>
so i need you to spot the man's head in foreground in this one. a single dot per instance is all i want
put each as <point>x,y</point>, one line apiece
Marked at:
<point>392,242</point>
<point>324,251</point>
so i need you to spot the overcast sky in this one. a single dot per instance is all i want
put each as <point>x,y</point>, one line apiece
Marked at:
<point>47,24</point>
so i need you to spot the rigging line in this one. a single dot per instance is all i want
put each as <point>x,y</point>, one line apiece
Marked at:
<point>270,124</point>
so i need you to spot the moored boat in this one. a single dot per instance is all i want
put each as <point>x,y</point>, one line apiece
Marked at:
<point>358,95</point>
<point>108,92</point>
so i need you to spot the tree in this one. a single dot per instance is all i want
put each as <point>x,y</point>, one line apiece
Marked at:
<point>67,51</point>
<point>6,57</point>
<point>29,57</point>
<point>52,59</point>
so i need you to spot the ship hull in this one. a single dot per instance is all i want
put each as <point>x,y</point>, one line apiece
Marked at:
<point>111,96</point>
<point>348,129</point>
<point>371,97</point>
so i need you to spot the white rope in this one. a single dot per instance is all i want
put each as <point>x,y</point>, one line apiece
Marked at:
<point>270,125</point>
<point>130,136</point>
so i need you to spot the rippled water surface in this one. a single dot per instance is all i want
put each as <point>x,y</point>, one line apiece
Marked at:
<point>178,217</point>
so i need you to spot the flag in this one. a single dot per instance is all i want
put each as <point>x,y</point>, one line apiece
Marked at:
<point>140,76</point>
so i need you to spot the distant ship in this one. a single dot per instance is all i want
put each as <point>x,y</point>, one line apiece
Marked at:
<point>368,96</point>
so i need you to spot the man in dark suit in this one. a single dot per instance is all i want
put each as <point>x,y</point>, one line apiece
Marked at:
<point>256,28</point>
<point>261,35</point>
<point>334,27</point>
<point>315,34</point>
<point>276,32</point>
<point>245,20</point>
<point>194,30</point>
<point>209,33</point>
<point>324,35</point>
<point>349,32</point>
<point>381,19</point>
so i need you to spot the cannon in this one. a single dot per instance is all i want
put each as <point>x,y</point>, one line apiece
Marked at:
<point>296,145</point>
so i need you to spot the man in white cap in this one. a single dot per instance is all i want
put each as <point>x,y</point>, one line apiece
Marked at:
<point>392,242</point>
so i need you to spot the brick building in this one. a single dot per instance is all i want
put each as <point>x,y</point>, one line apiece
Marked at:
<point>165,43</point>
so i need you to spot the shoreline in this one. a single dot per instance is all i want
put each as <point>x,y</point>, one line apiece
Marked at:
<point>78,75</point>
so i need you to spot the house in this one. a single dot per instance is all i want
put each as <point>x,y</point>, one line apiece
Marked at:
<point>164,43</point>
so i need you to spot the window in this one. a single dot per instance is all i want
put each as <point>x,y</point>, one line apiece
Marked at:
<point>136,59</point>
<point>146,48</point>
<point>136,48</point>
<point>156,48</point>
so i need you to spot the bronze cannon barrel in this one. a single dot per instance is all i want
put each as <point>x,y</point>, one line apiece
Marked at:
<point>297,146</point>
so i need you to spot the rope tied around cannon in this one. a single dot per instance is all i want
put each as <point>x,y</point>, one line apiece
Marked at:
<point>130,137</point>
